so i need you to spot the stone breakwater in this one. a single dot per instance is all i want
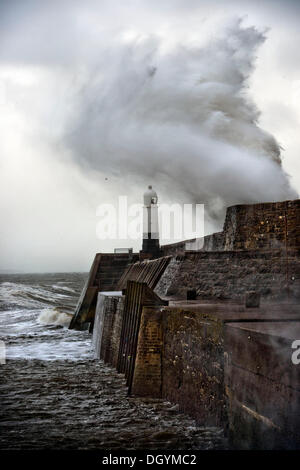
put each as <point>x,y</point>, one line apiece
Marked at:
<point>84,405</point>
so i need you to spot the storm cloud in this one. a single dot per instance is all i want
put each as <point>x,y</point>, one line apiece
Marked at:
<point>100,99</point>
<point>181,118</point>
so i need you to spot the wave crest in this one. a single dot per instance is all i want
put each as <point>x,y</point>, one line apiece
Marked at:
<point>54,317</point>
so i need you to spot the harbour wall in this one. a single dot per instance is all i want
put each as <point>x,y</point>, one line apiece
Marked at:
<point>223,363</point>
<point>197,356</point>
<point>220,275</point>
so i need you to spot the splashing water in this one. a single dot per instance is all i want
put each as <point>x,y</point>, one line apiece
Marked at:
<point>35,312</point>
<point>184,118</point>
<point>55,396</point>
<point>54,317</point>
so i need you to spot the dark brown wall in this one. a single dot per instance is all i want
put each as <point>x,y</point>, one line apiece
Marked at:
<point>192,367</point>
<point>263,226</point>
<point>174,248</point>
<point>225,365</point>
<point>228,275</point>
<point>222,363</point>
<point>107,328</point>
<point>180,357</point>
<point>164,285</point>
<point>263,385</point>
<point>110,269</point>
<point>147,378</point>
<point>104,275</point>
<point>213,242</point>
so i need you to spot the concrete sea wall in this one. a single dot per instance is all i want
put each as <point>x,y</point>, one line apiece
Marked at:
<point>262,226</point>
<point>107,327</point>
<point>262,385</point>
<point>220,363</point>
<point>229,274</point>
<point>224,364</point>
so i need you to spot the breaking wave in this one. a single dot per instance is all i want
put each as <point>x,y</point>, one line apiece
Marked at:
<point>35,312</point>
<point>54,317</point>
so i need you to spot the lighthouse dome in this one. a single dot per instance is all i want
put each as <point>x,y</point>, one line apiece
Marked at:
<point>150,196</point>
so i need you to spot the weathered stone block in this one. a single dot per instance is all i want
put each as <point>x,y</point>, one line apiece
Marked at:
<point>262,385</point>
<point>147,378</point>
<point>252,299</point>
<point>107,327</point>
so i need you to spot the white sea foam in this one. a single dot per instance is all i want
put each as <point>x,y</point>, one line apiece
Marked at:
<point>68,289</point>
<point>52,316</point>
<point>66,349</point>
<point>31,312</point>
<point>24,294</point>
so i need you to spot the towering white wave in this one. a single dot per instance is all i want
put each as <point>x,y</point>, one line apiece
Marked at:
<point>53,316</point>
<point>181,116</point>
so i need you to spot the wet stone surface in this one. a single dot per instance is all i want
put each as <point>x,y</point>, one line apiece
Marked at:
<point>84,405</point>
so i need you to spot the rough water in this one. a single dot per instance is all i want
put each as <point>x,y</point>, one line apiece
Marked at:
<point>54,395</point>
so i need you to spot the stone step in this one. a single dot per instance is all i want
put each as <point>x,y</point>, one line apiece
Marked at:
<point>111,267</point>
<point>110,270</point>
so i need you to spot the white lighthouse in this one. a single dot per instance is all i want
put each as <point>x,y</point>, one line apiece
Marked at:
<point>150,224</point>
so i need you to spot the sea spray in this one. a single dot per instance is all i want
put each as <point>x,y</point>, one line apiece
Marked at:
<point>35,314</point>
<point>54,317</point>
<point>180,116</point>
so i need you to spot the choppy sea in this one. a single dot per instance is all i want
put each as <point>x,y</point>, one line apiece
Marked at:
<point>55,395</point>
<point>35,311</point>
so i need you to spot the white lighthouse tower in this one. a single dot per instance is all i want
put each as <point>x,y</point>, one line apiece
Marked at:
<point>150,225</point>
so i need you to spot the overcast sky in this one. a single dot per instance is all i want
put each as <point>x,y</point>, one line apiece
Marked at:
<point>201,99</point>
